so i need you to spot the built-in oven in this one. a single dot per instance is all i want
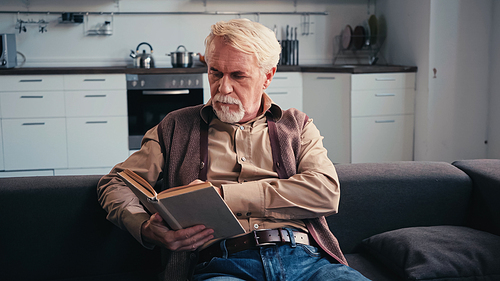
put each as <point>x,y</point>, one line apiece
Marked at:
<point>150,97</point>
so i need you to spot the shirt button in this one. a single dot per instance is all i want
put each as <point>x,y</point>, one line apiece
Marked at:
<point>242,128</point>
<point>256,226</point>
<point>243,159</point>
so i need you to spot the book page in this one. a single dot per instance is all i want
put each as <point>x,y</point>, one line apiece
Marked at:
<point>182,189</point>
<point>138,182</point>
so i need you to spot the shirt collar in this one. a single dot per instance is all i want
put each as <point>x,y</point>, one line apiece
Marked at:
<point>269,107</point>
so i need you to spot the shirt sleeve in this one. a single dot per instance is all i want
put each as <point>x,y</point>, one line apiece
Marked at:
<point>123,207</point>
<point>313,192</point>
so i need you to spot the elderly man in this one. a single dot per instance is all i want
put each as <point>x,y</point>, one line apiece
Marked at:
<point>268,164</point>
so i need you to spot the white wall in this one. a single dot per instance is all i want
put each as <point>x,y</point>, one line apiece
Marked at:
<point>67,44</point>
<point>458,100</point>
<point>494,102</point>
<point>453,36</point>
<point>408,24</point>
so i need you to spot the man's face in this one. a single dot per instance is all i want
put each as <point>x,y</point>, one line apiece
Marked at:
<point>236,83</point>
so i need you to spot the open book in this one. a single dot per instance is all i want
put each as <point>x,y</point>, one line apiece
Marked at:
<point>186,206</point>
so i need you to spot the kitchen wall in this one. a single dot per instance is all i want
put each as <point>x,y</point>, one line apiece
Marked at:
<point>68,44</point>
<point>456,110</point>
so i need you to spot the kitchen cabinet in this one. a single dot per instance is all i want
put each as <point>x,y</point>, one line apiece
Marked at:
<point>32,144</point>
<point>286,90</point>
<point>96,116</point>
<point>96,141</point>
<point>327,102</point>
<point>63,123</point>
<point>33,123</point>
<point>382,117</point>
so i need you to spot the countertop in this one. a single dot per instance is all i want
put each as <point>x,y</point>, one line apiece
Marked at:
<point>353,69</point>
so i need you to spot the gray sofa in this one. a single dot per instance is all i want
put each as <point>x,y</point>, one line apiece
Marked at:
<point>397,221</point>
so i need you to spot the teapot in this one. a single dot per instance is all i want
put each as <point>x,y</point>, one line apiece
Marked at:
<point>144,60</point>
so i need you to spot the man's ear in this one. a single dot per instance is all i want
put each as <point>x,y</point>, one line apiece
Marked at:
<point>269,77</point>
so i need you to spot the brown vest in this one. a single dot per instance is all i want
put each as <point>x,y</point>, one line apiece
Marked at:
<point>183,136</point>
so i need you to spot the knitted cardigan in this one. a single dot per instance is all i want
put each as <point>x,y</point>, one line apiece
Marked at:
<point>183,137</point>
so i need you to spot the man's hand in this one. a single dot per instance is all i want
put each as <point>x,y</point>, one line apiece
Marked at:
<point>189,239</point>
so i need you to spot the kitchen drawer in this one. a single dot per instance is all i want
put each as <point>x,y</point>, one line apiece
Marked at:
<point>286,79</point>
<point>382,139</point>
<point>95,82</point>
<point>97,141</point>
<point>32,104</point>
<point>382,81</point>
<point>31,83</point>
<point>286,97</point>
<point>382,102</point>
<point>96,103</point>
<point>34,143</point>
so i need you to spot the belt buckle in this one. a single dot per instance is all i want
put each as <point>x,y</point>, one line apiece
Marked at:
<point>257,243</point>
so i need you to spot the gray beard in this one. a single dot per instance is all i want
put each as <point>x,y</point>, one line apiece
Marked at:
<point>228,116</point>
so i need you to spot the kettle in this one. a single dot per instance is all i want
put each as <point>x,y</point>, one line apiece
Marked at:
<point>144,60</point>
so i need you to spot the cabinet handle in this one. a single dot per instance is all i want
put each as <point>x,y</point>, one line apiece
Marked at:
<point>31,97</point>
<point>385,121</point>
<point>96,122</point>
<point>30,80</point>
<point>94,80</point>
<point>95,96</point>
<point>385,79</point>
<point>385,95</point>
<point>168,92</point>
<point>34,124</point>
<point>278,93</point>
<point>325,77</point>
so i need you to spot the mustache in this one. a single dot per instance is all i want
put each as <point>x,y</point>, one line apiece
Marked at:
<point>226,99</point>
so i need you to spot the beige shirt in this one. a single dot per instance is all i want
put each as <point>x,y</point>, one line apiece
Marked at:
<point>240,161</point>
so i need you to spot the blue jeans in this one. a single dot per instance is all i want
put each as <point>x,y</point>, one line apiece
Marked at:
<point>273,263</point>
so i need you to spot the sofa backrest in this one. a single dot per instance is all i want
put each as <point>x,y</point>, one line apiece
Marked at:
<point>485,175</point>
<point>379,197</point>
<point>54,228</point>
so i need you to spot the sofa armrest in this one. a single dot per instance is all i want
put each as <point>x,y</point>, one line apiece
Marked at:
<point>485,210</point>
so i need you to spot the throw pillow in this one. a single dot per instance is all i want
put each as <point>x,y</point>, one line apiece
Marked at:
<point>438,253</point>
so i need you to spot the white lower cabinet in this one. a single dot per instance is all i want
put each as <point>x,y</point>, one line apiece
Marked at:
<point>327,102</point>
<point>382,117</point>
<point>34,143</point>
<point>62,124</point>
<point>382,138</point>
<point>286,90</point>
<point>97,141</point>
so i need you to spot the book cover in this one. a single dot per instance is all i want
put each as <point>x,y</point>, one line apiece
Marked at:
<point>186,206</point>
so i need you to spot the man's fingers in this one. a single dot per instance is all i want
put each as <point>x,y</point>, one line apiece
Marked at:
<point>190,238</point>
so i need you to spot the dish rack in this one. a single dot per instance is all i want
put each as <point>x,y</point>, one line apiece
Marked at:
<point>365,53</point>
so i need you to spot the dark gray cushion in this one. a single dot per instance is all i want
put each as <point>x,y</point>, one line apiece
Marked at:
<point>438,253</point>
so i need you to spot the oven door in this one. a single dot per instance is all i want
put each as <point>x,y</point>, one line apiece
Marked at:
<point>146,108</point>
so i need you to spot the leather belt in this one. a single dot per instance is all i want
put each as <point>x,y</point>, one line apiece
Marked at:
<point>253,239</point>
